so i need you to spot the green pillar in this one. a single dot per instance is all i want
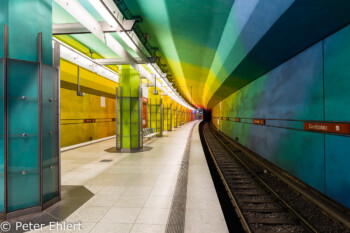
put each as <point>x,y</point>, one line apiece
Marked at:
<point>29,143</point>
<point>129,127</point>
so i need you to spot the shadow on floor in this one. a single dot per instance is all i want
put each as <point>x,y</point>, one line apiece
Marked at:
<point>72,196</point>
<point>113,150</point>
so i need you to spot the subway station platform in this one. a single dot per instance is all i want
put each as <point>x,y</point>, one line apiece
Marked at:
<point>134,192</point>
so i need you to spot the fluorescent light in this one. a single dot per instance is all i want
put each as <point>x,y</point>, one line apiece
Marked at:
<point>83,16</point>
<point>74,56</point>
<point>104,12</point>
<point>127,40</point>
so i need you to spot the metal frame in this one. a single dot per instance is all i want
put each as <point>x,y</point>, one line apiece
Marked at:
<point>117,138</point>
<point>119,134</point>
<point>6,54</point>
<point>161,117</point>
<point>40,113</point>
<point>171,117</point>
<point>130,119</point>
<point>78,28</point>
<point>140,112</point>
<point>57,65</point>
<point>121,125</point>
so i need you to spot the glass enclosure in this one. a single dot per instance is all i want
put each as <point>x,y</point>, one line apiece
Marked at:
<point>29,150</point>
<point>129,123</point>
<point>167,117</point>
<point>155,117</point>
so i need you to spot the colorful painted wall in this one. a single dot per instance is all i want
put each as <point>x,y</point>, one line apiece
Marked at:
<point>312,86</point>
<point>88,117</point>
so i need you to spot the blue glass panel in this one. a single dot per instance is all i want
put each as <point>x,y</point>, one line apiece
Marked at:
<point>23,154</point>
<point>23,190</point>
<point>22,79</point>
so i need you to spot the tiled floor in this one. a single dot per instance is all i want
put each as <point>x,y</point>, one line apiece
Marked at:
<point>133,192</point>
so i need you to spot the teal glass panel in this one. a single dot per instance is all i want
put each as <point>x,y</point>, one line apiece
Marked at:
<point>50,133</point>
<point>23,190</point>
<point>23,79</point>
<point>22,117</point>
<point>23,154</point>
<point>50,182</point>
<point>23,141</point>
<point>1,136</point>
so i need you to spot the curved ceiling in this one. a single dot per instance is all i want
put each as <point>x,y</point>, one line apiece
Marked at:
<point>216,47</point>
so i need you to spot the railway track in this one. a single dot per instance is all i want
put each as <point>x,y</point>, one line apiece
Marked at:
<point>263,203</point>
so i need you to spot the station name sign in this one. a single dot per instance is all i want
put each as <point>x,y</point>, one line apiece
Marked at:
<point>259,121</point>
<point>327,127</point>
<point>89,120</point>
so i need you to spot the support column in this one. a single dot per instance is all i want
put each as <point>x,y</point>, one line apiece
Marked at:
<point>29,145</point>
<point>167,113</point>
<point>174,114</point>
<point>155,106</point>
<point>129,125</point>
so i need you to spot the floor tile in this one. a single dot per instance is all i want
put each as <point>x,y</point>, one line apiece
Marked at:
<point>121,215</point>
<point>111,228</point>
<point>145,228</point>
<point>153,216</point>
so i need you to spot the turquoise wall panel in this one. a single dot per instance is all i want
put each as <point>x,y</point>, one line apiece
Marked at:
<point>337,102</point>
<point>3,20</point>
<point>336,75</point>
<point>337,168</point>
<point>24,42</point>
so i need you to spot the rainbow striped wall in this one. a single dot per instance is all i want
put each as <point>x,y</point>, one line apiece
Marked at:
<point>312,86</point>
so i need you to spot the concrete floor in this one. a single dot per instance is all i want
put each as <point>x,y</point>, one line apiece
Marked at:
<point>132,192</point>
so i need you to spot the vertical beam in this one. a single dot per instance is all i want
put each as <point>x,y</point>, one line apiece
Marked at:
<point>121,125</point>
<point>57,65</point>
<point>161,117</point>
<point>40,95</point>
<point>6,54</point>
<point>130,118</point>
<point>117,142</point>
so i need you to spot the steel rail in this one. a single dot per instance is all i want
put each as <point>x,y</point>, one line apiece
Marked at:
<point>292,210</point>
<point>233,199</point>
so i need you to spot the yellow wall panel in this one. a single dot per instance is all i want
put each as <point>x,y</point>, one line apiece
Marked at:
<point>73,106</point>
<point>74,133</point>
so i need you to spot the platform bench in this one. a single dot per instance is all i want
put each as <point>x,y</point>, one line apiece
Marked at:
<point>149,133</point>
